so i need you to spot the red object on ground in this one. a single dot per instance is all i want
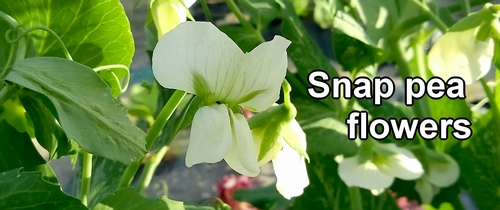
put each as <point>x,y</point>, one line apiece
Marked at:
<point>404,204</point>
<point>228,185</point>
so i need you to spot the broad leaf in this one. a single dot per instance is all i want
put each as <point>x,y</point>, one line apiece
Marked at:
<point>128,198</point>
<point>246,40</point>
<point>86,110</point>
<point>95,32</point>
<point>262,12</point>
<point>325,134</point>
<point>304,51</point>
<point>17,151</point>
<point>28,190</point>
<point>106,175</point>
<point>479,163</point>
<point>47,130</point>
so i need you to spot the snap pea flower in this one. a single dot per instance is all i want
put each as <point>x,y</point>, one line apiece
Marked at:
<point>289,165</point>
<point>198,58</point>
<point>461,54</point>
<point>377,172</point>
<point>466,50</point>
<point>167,14</point>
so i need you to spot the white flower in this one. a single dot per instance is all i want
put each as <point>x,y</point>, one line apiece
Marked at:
<point>198,58</point>
<point>289,165</point>
<point>379,172</point>
<point>167,14</point>
<point>459,53</point>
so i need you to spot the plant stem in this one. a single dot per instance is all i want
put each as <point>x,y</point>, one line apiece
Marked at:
<point>152,163</point>
<point>466,5</point>
<point>443,27</point>
<point>117,66</point>
<point>5,94</point>
<point>43,28</point>
<point>244,22</point>
<point>356,203</point>
<point>86,177</point>
<point>421,107</point>
<point>153,133</point>
<point>206,10</point>
<point>5,71</point>
<point>493,104</point>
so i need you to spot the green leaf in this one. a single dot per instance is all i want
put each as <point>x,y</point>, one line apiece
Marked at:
<point>304,51</point>
<point>17,150</point>
<point>106,175</point>
<point>86,110</point>
<point>128,198</point>
<point>389,109</point>
<point>323,12</point>
<point>47,131</point>
<point>353,54</point>
<point>349,26</point>
<point>95,32</point>
<point>448,108</point>
<point>178,122</point>
<point>28,190</point>
<point>145,94</point>
<point>479,163</point>
<point>262,12</point>
<point>14,113</point>
<point>378,18</point>
<point>325,134</point>
<point>246,40</point>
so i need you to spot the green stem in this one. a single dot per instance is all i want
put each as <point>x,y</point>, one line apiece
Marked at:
<point>244,22</point>
<point>5,71</point>
<point>86,177</point>
<point>493,104</point>
<point>152,163</point>
<point>5,94</point>
<point>355,195</point>
<point>286,91</point>
<point>50,31</point>
<point>431,15</point>
<point>466,5</point>
<point>206,10</point>
<point>421,107</point>
<point>117,66</point>
<point>153,133</point>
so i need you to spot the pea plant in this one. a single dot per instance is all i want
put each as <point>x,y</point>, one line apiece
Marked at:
<point>251,95</point>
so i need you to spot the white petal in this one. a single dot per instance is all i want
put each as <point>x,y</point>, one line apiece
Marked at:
<point>403,165</point>
<point>443,174</point>
<point>257,139</point>
<point>295,137</point>
<point>377,192</point>
<point>242,156</point>
<point>189,3</point>
<point>365,175</point>
<point>211,136</point>
<point>291,172</point>
<point>196,57</point>
<point>460,54</point>
<point>264,69</point>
